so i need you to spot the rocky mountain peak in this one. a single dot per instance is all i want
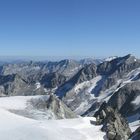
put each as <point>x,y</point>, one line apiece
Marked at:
<point>52,80</point>
<point>85,74</point>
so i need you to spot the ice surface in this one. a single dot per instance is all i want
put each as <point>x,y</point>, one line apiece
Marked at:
<point>16,127</point>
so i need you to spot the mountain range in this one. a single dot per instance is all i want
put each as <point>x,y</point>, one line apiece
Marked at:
<point>108,89</point>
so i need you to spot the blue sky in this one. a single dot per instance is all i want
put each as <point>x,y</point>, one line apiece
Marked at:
<point>72,28</point>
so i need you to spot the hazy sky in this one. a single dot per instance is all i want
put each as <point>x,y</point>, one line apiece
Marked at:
<point>69,27</point>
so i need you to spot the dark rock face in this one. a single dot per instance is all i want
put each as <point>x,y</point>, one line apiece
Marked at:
<point>136,135</point>
<point>113,123</point>
<point>116,69</point>
<point>85,74</point>
<point>119,65</point>
<point>11,84</point>
<point>53,80</point>
<point>122,99</point>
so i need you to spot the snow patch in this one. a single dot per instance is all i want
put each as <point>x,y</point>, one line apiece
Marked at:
<point>19,102</point>
<point>38,85</point>
<point>134,122</point>
<point>110,58</point>
<point>88,85</point>
<point>136,102</point>
<point>22,128</point>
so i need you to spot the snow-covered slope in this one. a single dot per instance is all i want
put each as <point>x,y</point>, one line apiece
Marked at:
<point>110,58</point>
<point>18,127</point>
<point>37,107</point>
<point>91,89</point>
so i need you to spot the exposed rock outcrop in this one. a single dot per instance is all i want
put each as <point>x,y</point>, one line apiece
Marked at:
<point>124,99</point>
<point>53,80</point>
<point>11,84</point>
<point>115,126</point>
<point>85,74</point>
<point>116,69</point>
